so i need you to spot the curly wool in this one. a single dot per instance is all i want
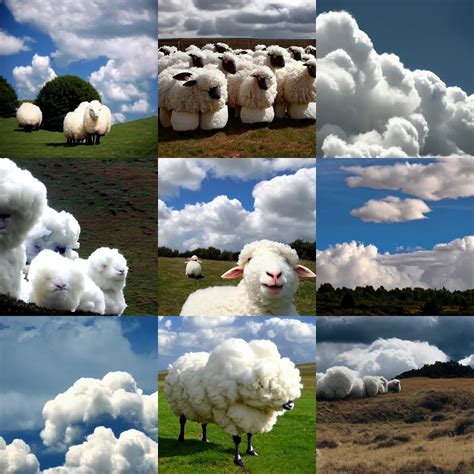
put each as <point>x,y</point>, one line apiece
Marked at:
<point>251,96</point>
<point>97,119</point>
<point>299,87</point>
<point>239,386</point>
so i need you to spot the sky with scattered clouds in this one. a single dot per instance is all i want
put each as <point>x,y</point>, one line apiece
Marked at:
<point>226,203</point>
<point>110,43</point>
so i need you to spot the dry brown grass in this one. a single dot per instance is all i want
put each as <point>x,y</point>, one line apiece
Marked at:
<point>428,427</point>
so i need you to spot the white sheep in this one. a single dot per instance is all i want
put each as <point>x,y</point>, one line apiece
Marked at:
<point>29,116</point>
<point>299,91</point>
<point>192,58</point>
<point>97,121</point>
<point>384,384</point>
<point>242,387</point>
<point>296,52</point>
<point>394,385</point>
<point>311,49</point>
<point>22,201</point>
<point>337,383</point>
<point>193,267</point>
<point>270,272</point>
<point>373,385</point>
<point>108,269</point>
<point>73,125</point>
<point>92,298</point>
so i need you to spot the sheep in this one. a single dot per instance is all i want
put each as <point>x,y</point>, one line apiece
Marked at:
<point>73,125</point>
<point>22,201</point>
<point>394,386</point>
<point>108,270</point>
<point>299,91</point>
<point>221,47</point>
<point>296,52</point>
<point>384,384</point>
<point>29,116</point>
<point>167,50</point>
<point>193,267</point>
<point>337,383</point>
<point>270,273</point>
<point>242,387</point>
<point>92,298</point>
<point>97,121</point>
<point>373,385</point>
<point>310,49</point>
<point>191,58</point>
<point>260,47</point>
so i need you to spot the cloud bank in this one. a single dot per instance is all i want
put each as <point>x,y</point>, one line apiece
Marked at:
<point>17,457</point>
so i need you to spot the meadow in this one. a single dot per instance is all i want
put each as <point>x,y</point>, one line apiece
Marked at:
<point>114,202</point>
<point>427,427</point>
<point>288,448</point>
<point>174,287</point>
<point>135,139</point>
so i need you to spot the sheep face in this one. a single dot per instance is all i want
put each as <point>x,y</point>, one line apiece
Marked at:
<point>211,84</point>
<point>277,60</point>
<point>229,65</point>
<point>108,269</point>
<point>94,109</point>
<point>198,60</point>
<point>295,53</point>
<point>311,65</point>
<point>164,50</point>
<point>221,48</point>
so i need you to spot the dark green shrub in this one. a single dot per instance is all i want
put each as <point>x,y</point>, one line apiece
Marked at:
<point>8,99</point>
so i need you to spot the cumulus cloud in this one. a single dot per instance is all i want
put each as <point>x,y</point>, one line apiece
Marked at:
<point>352,264</point>
<point>132,452</point>
<point>468,361</point>
<point>88,400</point>
<point>17,457</point>
<point>11,44</point>
<point>239,18</point>
<point>284,210</point>
<point>371,105</point>
<point>30,79</point>
<point>392,209</point>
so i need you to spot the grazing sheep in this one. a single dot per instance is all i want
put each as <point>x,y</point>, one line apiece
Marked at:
<point>22,201</point>
<point>299,91</point>
<point>394,385</point>
<point>29,116</point>
<point>97,121</point>
<point>270,272</point>
<point>242,387</point>
<point>193,267</point>
<point>108,270</point>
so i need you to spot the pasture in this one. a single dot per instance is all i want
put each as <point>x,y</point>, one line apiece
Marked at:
<point>289,447</point>
<point>174,287</point>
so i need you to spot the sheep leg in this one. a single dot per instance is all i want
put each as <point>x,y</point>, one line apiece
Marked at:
<point>182,422</point>
<point>250,451</point>
<point>204,433</point>
<point>97,139</point>
<point>237,459</point>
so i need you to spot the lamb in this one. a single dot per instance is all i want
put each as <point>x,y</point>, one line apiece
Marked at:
<point>108,270</point>
<point>193,267</point>
<point>97,121</point>
<point>299,91</point>
<point>22,201</point>
<point>394,386</point>
<point>242,387</point>
<point>270,272</point>
<point>29,116</point>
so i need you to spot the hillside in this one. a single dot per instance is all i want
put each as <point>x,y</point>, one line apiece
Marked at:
<point>440,370</point>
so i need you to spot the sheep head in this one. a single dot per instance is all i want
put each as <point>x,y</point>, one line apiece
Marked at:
<point>197,58</point>
<point>276,55</point>
<point>108,269</point>
<point>311,67</point>
<point>94,109</point>
<point>210,89</point>
<point>228,63</point>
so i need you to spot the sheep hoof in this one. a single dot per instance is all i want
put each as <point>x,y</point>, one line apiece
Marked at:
<point>251,452</point>
<point>181,439</point>
<point>238,462</point>
<point>205,440</point>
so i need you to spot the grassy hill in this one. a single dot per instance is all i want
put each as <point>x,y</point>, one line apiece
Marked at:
<point>174,287</point>
<point>135,139</point>
<point>427,427</point>
<point>289,447</point>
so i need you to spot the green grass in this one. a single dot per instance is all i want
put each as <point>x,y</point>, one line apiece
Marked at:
<point>288,448</point>
<point>136,139</point>
<point>282,138</point>
<point>174,287</point>
<point>114,202</point>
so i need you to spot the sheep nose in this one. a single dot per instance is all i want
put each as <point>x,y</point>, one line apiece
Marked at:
<point>289,405</point>
<point>60,286</point>
<point>215,93</point>
<point>274,276</point>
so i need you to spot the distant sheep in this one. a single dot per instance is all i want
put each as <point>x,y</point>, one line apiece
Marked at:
<point>270,272</point>
<point>242,387</point>
<point>29,116</point>
<point>394,385</point>
<point>97,121</point>
<point>193,267</point>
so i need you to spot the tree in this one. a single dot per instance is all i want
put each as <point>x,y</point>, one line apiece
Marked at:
<point>8,99</point>
<point>348,300</point>
<point>432,308</point>
<point>60,96</point>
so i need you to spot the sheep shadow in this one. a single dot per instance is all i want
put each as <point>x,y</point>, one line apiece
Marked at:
<point>171,447</point>
<point>195,277</point>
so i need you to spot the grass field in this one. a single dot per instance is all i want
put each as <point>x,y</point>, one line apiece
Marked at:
<point>136,139</point>
<point>174,287</point>
<point>114,201</point>
<point>288,448</point>
<point>282,138</point>
<point>427,427</point>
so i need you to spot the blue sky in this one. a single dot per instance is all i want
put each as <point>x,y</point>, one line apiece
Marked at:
<point>42,357</point>
<point>436,35</point>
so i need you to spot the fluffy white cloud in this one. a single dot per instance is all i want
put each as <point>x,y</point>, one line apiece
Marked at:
<point>30,79</point>
<point>354,264</point>
<point>16,458</point>
<point>387,357</point>
<point>131,453</point>
<point>468,361</point>
<point>284,210</point>
<point>11,44</point>
<point>88,400</point>
<point>370,105</point>
<point>392,209</point>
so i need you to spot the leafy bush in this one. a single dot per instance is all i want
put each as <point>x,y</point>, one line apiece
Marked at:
<point>8,99</point>
<point>60,96</point>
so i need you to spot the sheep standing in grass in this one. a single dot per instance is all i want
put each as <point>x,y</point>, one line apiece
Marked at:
<point>29,116</point>
<point>73,125</point>
<point>97,121</point>
<point>299,91</point>
<point>193,267</point>
<point>242,387</point>
<point>270,272</point>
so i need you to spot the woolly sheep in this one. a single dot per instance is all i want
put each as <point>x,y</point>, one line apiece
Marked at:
<point>270,273</point>
<point>242,387</point>
<point>373,385</point>
<point>192,58</point>
<point>299,91</point>
<point>73,124</point>
<point>296,52</point>
<point>394,385</point>
<point>221,47</point>
<point>108,269</point>
<point>384,384</point>
<point>29,116</point>
<point>310,49</point>
<point>337,383</point>
<point>97,121</point>
<point>22,200</point>
<point>260,47</point>
<point>166,50</point>
<point>193,267</point>
<point>92,298</point>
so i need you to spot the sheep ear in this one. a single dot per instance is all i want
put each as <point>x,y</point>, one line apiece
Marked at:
<point>182,76</point>
<point>190,83</point>
<point>304,272</point>
<point>235,272</point>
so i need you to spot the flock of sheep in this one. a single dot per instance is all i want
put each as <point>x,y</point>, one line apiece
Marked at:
<point>197,87</point>
<point>86,124</point>
<point>270,274</point>
<point>38,259</point>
